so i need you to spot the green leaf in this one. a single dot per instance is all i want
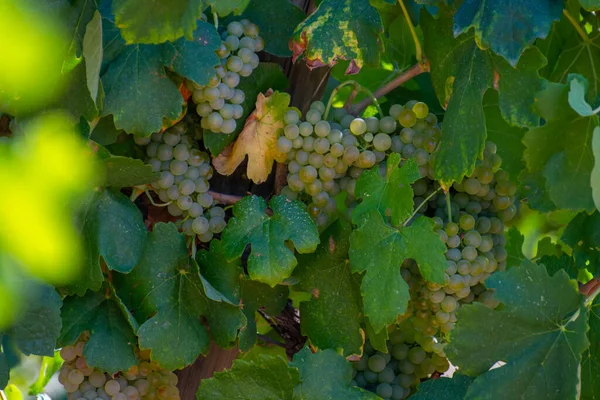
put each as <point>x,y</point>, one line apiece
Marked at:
<point>391,195</point>
<point>514,247</point>
<point>460,63</point>
<point>595,175</point>
<point>577,89</point>
<point>590,367</point>
<point>49,366</point>
<point>124,172</point>
<point>533,190</point>
<point>583,235</point>
<point>92,51</point>
<point>379,250</point>
<point>454,388</point>
<point>561,150</point>
<point>331,318</point>
<point>226,7</point>
<point>164,21</point>
<point>38,327</point>
<point>229,279</point>
<point>590,5</point>
<point>112,339</point>
<point>77,14</point>
<point>340,29</point>
<point>138,91</point>
<point>76,98</point>
<point>4,370</point>
<point>266,76</point>
<point>326,375</point>
<point>507,27</point>
<point>275,30</point>
<point>267,378</point>
<point>543,324</point>
<point>508,139</point>
<point>270,260</point>
<point>554,264</point>
<point>105,133</point>
<point>168,293</point>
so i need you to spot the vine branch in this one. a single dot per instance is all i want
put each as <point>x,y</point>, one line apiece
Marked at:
<point>405,76</point>
<point>225,198</point>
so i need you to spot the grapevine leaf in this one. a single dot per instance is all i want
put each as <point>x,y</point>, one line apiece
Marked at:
<point>226,7</point>
<point>49,366</point>
<point>124,172</point>
<point>258,139</point>
<point>331,318</point>
<point>533,189</point>
<point>454,388</point>
<point>267,378</point>
<point>590,367</point>
<point>508,139</point>
<point>77,14</point>
<point>112,339</point>
<point>37,329</point>
<point>506,27</point>
<point>326,375</point>
<point>543,323</point>
<point>517,87</point>
<point>595,175</point>
<point>113,229</point>
<point>514,247</point>
<point>391,195</point>
<point>4,370</point>
<point>561,150</point>
<point>92,51</point>
<point>590,5</point>
<point>275,31</point>
<point>468,69</point>
<point>340,29</point>
<point>554,264</point>
<point>138,91</point>
<point>577,89</point>
<point>105,133</point>
<point>228,278</point>
<point>167,292</point>
<point>583,235</point>
<point>76,97</point>
<point>379,250</point>
<point>266,76</point>
<point>270,260</point>
<point>164,21</point>
<point>377,339</point>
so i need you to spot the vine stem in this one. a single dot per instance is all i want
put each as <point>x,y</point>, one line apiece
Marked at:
<point>405,76</point>
<point>360,88</point>
<point>576,25</point>
<point>449,206</point>
<point>225,198</point>
<point>413,33</point>
<point>421,205</point>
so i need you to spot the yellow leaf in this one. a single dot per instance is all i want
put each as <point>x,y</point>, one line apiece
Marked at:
<point>258,139</point>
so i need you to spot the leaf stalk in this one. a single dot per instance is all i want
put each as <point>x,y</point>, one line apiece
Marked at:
<point>576,25</point>
<point>413,33</point>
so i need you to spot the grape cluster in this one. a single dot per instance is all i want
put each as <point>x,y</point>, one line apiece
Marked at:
<point>395,374</point>
<point>145,381</point>
<point>219,103</point>
<point>185,171</point>
<point>328,156</point>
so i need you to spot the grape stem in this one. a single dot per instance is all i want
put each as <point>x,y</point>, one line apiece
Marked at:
<point>216,20</point>
<point>152,201</point>
<point>405,76</point>
<point>421,205</point>
<point>224,198</point>
<point>449,206</point>
<point>576,25</point>
<point>413,33</point>
<point>360,88</point>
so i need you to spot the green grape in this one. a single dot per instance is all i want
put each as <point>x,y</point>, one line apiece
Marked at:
<point>400,351</point>
<point>184,202</point>
<point>297,143</point>
<point>382,142</point>
<point>228,126</point>
<point>306,128</point>
<point>247,42</point>
<point>211,93</point>
<point>449,304</point>
<point>284,144</point>
<point>368,137</point>
<point>377,363</point>
<point>407,118</point>
<point>486,244</point>
<point>302,157</point>
<point>366,159</point>
<point>215,121</point>
<point>472,186</point>
<point>294,167</point>
<point>466,222</point>
<point>421,110</point>
<point>469,253</point>
<point>295,183</point>
<point>152,149</point>
<point>203,109</point>
<point>340,168</point>
<point>355,172</point>
<point>387,124</point>
<point>453,254</point>
<point>453,241</point>
<point>308,174</point>
<point>416,355</point>
<point>316,160</point>
<point>472,238</point>
<point>238,111</point>
<point>291,117</point>
<point>173,192</point>
<point>396,145</point>
<point>321,145</point>
<point>339,113</point>
<point>421,157</point>
<point>238,96</point>
<point>308,143</point>
<point>164,152</point>
<point>358,126</point>
<point>384,390</point>
<point>235,28</point>
<point>335,136</point>
<point>351,154</point>
<point>336,150</point>
<point>330,160</point>
<point>291,131</point>
<point>502,202</point>
<point>235,63</point>
<point>225,92</point>
<point>508,213</point>
<point>181,152</point>
<point>205,200</point>
<point>313,116</point>
<point>232,43</point>
<point>217,224</point>
<point>473,208</point>
<point>451,228</point>
<point>166,180</point>
<point>372,124</point>
<point>405,366</point>
<point>321,199</point>
<point>205,169</point>
<point>319,106</point>
<point>195,210</point>
<point>349,140</point>
<point>226,111</point>
<point>407,135</point>
<point>178,167</point>
<point>246,70</point>
<point>231,79</point>
<point>200,225</point>
<point>313,188</point>
<point>187,187</point>
<point>395,110</point>
<point>326,173</point>
<point>217,104</point>
<point>322,129</point>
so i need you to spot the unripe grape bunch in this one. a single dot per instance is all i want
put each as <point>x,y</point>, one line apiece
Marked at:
<point>184,185</point>
<point>145,381</point>
<point>219,103</point>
